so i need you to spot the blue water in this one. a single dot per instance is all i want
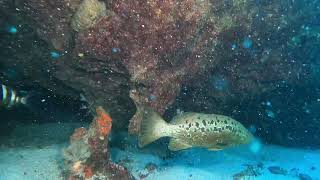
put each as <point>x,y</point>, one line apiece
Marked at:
<point>257,62</point>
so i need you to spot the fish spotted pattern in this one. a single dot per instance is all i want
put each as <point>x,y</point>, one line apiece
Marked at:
<point>211,131</point>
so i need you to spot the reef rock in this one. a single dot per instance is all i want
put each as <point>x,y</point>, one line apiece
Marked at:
<point>88,12</point>
<point>148,49</point>
<point>88,155</point>
<point>159,42</point>
<point>51,19</point>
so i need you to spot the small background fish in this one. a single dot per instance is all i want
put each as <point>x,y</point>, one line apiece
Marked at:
<point>211,131</point>
<point>9,97</point>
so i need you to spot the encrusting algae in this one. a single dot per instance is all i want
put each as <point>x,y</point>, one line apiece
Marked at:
<point>87,14</point>
<point>88,156</point>
<point>211,131</point>
<point>104,123</point>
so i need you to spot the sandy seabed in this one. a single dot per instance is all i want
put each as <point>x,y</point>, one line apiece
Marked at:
<point>40,158</point>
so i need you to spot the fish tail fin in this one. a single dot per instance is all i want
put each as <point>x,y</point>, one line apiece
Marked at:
<point>27,98</point>
<point>152,127</point>
<point>24,100</point>
<point>35,102</point>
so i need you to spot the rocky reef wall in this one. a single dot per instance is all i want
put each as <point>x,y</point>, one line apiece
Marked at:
<point>216,56</point>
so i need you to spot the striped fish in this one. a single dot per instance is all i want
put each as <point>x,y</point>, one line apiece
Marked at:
<point>9,97</point>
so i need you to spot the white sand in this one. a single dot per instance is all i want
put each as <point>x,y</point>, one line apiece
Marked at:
<point>31,163</point>
<point>41,162</point>
<point>201,164</point>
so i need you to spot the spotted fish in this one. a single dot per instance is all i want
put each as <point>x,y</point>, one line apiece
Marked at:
<point>211,131</point>
<point>9,97</point>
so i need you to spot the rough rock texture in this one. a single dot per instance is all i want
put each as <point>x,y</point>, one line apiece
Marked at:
<point>244,51</point>
<point>25,57</point>
<point>88,12</point>
<point>26,60</point>
<point>101,84</point>
<point>51,19</point>
<point>161,44</point>
<point>88,155</point>
<point>271,85</point>
<point>158,42</point>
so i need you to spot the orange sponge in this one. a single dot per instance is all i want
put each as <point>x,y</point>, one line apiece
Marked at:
<point>103,122</point>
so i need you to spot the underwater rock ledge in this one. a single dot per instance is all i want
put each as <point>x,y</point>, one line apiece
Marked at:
<point>88,154</point>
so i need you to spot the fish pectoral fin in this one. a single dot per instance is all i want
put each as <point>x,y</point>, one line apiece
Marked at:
<point>214,149</point>
<point>176,145</point>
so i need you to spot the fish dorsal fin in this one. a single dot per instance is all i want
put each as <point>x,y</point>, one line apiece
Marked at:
<point>176,145</point>
<point>181,118</point>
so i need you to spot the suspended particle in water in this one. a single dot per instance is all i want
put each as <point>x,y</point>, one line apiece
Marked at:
<point>54,54</point>
<point>179,111</point>
<point>80,55</point>
<point>247,43</point>
<point>255,146</point>
<point>270,114</point>
<point>233,47</point>
<point>12,30</point>
<point>219,83</point>
<point>10,73</point>
<point>306,108</point>
<point>307,28</point>
<point>253,129</point>
<point>268,103</point>
<point>115,50</point>
<point>152,97</point>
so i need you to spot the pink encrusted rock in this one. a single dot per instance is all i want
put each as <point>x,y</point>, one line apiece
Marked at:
<point>157,41</point>
<point>89,155</point>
